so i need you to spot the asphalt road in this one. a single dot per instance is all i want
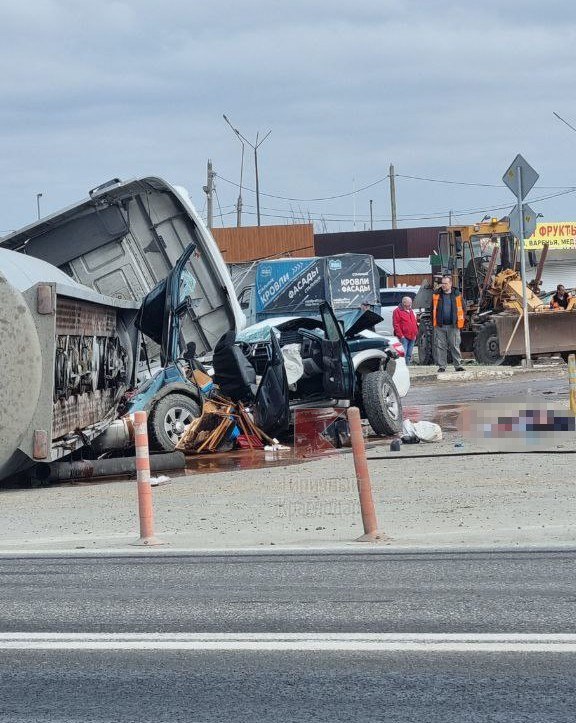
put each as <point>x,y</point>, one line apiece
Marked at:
<point>538,387</point>
<point>125,631</point>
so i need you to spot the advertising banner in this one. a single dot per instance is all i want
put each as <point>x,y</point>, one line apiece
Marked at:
<point>290,286</point>
<point>352,281</point>
<point>558,235</point>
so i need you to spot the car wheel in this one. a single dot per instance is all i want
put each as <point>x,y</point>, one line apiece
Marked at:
<point>168,420</point>
<point>382,403</point>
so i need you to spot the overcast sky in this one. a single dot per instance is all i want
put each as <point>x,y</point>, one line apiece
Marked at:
<point>447,90</point>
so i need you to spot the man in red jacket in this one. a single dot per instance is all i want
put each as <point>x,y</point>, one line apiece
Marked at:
<point>405,326</point>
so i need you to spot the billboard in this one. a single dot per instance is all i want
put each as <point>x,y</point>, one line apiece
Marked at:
<point>298,286</point>
<point>352,281</point>
<point>292,284</point>
<point>558,235</point>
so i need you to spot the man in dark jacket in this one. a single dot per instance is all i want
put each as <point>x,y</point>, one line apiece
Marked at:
<point>560,299</point>
<point>405,326</point>
<point>448,319</point>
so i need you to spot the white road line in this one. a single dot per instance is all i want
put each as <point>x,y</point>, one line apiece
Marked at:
<point>375,642</point>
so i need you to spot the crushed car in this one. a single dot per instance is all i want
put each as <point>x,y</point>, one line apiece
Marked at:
<point>375,369</point>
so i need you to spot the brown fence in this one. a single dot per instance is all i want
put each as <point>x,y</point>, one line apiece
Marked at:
<point>250,243</point>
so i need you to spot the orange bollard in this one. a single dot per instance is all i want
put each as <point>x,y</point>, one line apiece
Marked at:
<point>572,381</point>
<point>145,508</point>
<point>371,532</point>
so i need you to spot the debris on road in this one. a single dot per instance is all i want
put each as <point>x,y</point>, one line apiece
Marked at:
<point>222,426</point>
<point>421,431</point>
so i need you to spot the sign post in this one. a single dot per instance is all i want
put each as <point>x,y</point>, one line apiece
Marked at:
<point>520,178</point>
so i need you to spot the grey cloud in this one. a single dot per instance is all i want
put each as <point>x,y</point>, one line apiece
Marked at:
<point>444,89</point>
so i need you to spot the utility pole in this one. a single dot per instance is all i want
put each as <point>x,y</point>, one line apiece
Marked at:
<point>393,196</point>
<point>371,219</point>
<point>209,191</point>
<point>38,197</point>
<point>354,202</point>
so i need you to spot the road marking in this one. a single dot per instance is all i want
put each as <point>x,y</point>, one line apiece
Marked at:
<point>375,642</point>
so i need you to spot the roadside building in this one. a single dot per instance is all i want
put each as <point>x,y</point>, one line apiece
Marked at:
<point>253,243</point>
<point>403,272</point>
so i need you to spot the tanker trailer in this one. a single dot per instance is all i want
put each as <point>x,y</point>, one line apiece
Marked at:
<point>67,355</point>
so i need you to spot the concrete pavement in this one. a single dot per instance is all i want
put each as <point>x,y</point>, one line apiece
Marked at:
<point>491,499</point>
<point>455,492</point>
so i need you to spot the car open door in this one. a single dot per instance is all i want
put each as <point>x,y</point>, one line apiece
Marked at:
<point>271,407</point>
<point>338,369</point>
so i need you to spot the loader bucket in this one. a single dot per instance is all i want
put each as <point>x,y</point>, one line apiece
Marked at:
<point>550,331</point>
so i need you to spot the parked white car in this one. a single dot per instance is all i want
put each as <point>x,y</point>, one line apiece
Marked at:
<point>389,300</point>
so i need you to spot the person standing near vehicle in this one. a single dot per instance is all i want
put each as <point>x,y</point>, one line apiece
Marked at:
<point>448,319</point>
<point>405,326</point>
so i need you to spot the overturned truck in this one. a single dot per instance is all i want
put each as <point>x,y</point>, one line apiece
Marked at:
<point>68,336</point>
<point>67,356</point>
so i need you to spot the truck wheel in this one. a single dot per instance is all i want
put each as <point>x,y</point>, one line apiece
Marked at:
<point>169,418</point>
<point>381,403</point>
<point>425,342</point>
<point>486,347</point>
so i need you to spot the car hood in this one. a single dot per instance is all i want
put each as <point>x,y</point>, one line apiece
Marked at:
<point>261,330</point>
<point>360,321</point>
<point>353,323</point>
<point>125,238</point>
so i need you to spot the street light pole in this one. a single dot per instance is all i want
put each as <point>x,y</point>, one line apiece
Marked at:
<point>38,197</point>
<point>255,147</point>
<point>239,202</point>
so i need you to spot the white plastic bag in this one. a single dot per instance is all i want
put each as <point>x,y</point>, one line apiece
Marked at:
<point>428,431</point>
<point>408,430</point>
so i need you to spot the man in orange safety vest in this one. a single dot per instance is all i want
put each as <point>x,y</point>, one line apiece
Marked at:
<point>448,319</point>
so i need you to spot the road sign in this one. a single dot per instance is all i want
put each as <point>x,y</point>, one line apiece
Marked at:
<point>529,176</point>
<point>529,218</point>
<point>520,179</point>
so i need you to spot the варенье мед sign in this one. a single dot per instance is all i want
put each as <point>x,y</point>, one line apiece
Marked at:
<point>558,235</point>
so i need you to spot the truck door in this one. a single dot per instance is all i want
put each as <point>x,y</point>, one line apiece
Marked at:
<point>162,310</point>
<point>271,407</point>
<point>338,369</point>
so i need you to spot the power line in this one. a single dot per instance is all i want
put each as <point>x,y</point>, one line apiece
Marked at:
<point>467,183</point>
<point>325,198</point>
<point>451,183</point>
<point>221,215</point>
<point>414,217</point>
<point>381,180</point>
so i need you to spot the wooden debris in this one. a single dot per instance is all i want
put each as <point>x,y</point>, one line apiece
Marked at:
<point>218,419</point>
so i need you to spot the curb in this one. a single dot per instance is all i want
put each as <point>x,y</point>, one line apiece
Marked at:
<point>480,374</point>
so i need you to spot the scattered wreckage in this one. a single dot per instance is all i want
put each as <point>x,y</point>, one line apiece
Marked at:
<point>141,314</point>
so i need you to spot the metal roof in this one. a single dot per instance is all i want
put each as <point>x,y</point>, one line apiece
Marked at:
<point>405,267</point>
